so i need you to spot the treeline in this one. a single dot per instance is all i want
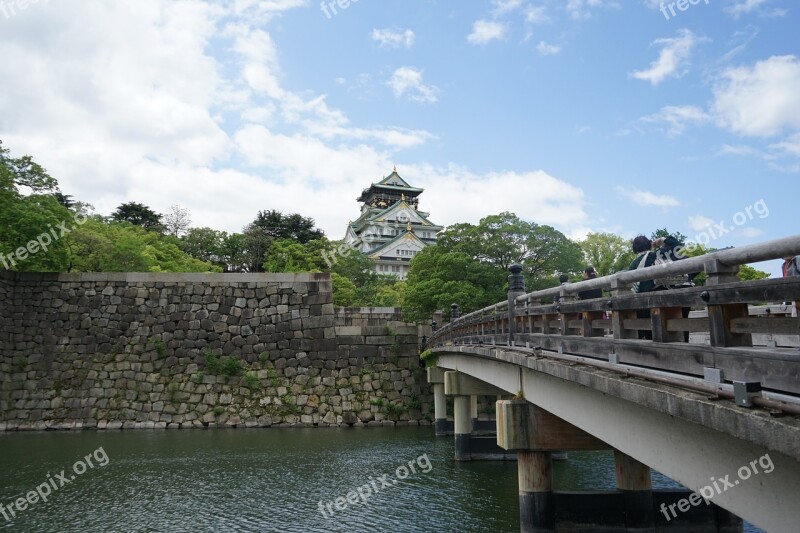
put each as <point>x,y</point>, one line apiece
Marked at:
<point>43,230</point>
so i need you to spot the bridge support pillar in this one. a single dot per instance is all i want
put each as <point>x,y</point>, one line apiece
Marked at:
<point>473,410</point>
<point>535,434</point>
<point>536,501</point>
<point>465,390</point>
<point>436,378</point>
<point>633,480</point>
<point>462,414</point>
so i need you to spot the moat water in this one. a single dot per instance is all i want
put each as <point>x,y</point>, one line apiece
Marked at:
<point>275,480</point>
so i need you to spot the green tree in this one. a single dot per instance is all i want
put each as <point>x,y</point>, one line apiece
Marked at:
<point>205,244</point>
<point>269,226</point>
<point>504,239</point>
<point>98,246</point>
<point>469,265</point>
<point>607,253</point>
<point>285,255</point>
<point>138,215</point>
<point>30,226</point>
<point>344,291</point>
<point>439,277</point>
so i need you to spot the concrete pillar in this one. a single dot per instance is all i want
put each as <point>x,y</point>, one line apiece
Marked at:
<point>436,378</point>
<point>536,501</point>
<point>633,479</point>
<point>440,409</point>
<point>473,409</point>
<point>463,427</point>
<point>534,434</point>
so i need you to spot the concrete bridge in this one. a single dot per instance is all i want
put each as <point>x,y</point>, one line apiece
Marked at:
<point>722,418</point>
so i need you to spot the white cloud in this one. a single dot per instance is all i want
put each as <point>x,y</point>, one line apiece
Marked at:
<point>460,196</point>
<point>407,81</point>
<point>547,49</point>
<point>700,222</point>
<point>485,31</point>
<point>536,14</point>
<point>677,118</point>
<point>646,198</point>
<point>133,107</point>
<point>746,7</point>
<point>672,60</point>
<point>740,150</point>
<point>582,9</point>
<point>762,100</point>
<point>750,232</point>
<point>789,146</point>
<point>502,7</point>
<point>393,38</point>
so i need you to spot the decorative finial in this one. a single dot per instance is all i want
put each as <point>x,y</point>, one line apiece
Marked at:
<point>408,227</point>
<point>403,196</point>
<point>395,169</point>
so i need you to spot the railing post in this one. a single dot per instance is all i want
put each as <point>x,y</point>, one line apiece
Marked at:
<point>618,317</point>
<point>516,287</point>
<point>720,316</point>
<point>454,314</point>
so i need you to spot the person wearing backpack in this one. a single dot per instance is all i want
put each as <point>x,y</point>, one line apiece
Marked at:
<point>790,266</point>
<point>665,252</point>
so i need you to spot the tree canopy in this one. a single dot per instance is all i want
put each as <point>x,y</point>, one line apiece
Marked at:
<point>469,265</point>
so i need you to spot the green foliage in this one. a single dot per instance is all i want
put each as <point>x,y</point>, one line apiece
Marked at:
<point>607,253</point>
<point>284,255</point>
<point>218,410</point>
<point>225,366</point>
<point>414,402</point>
<point>97,246</point>
<point>158,344</point>
<point>23,219</point>
<point>252,381</point>
<point>20,362</point>
<point>469,266</point>
<point>394,410</point>
<point>663,233</point>
<point>272,376</point>
<point>230,367</point>
<point>138,215</point>
<point>288,407</point>
<point>748,273</point>
<point>345,293</point>
<point>213,365</point>
<point>172,391</point>
<point>197,377</point>
<point>429,357</point>
<point>270,226</point>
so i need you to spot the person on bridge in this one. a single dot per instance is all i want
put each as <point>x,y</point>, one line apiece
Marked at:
<point>665,252</point>
<point>563,279</point>
<point>790,268</point>
<point>589,273</point>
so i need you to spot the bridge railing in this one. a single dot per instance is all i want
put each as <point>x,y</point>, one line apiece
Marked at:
<point>735,336</point>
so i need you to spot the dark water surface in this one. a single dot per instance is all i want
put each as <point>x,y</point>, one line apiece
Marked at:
<point>268,480</point>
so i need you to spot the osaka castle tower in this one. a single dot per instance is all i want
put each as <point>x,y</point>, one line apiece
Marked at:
<point>391,229</point>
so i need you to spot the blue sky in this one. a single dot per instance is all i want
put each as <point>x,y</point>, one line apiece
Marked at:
<point>588,115</point>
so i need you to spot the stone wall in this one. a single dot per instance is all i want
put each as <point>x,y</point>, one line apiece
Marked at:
<point>5,311</point>
<point>198,350</point>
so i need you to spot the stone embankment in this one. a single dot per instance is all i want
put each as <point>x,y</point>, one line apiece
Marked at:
<point>113,351</point>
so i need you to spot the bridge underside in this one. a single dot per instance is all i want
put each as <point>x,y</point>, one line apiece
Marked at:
<point>688,437</point>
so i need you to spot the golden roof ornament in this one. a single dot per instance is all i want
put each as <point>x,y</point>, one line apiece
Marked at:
<point>408,227</point>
